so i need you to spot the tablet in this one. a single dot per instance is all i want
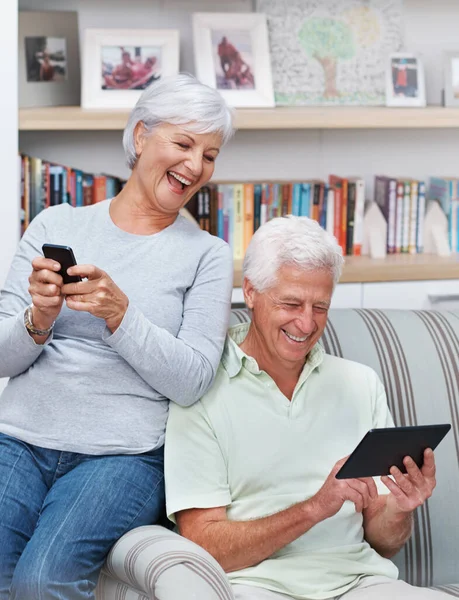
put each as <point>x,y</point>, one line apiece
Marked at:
<point>380,449</point>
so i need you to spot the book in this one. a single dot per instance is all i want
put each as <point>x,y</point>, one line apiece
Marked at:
<point>357,239</point>
<point>248,214</point>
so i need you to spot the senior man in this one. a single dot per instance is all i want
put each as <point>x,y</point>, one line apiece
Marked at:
<point>250,469</point>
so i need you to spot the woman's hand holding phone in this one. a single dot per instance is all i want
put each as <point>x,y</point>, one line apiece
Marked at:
<point>98,294</point>
<point>45,285</point>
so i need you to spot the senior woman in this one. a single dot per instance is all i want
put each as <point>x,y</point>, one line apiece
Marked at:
<point>95,363</point>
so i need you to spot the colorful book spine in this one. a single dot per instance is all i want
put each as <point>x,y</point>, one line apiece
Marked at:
<point>358,216</point>
<point>78,188</point>
<point>330,221</point>
<point>392,215</point>
<point>220,219</point>
<point>266,193</point>
<point>257,194</point>
<point>248,214</point>
<point>351,200</point>
<point>413,227</point>
<point>406,216</point>
<point>239,221</point>
<point>305,201</point>
<point>340,199</point>
<point>296,199</point>
<point>421,217</point>
<point>399,216</point>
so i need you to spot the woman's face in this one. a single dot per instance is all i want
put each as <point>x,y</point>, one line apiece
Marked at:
<point>173,164</point>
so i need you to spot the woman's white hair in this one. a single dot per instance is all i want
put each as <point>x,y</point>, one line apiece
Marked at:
<point>178,100</point>
<point>290,240</point>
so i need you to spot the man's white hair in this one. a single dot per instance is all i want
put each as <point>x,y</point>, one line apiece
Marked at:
<point>178,100</point>
<point>290,240</point>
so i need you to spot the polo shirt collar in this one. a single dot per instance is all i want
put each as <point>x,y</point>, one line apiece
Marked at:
<point>233,358</point>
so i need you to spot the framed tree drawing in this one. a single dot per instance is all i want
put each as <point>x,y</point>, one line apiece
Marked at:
<point>331,51</point>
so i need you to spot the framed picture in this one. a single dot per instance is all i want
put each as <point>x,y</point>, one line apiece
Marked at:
<point>48,54</point>
<point>451,78</point>
<point>331,52</point>
<point>405,85</point>
<point>119,63</point>
<point>232,55</point>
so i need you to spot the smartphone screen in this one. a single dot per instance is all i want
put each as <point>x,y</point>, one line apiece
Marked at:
<point>65,257</point>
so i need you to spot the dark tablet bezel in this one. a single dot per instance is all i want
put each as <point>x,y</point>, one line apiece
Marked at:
<point>380,449</point>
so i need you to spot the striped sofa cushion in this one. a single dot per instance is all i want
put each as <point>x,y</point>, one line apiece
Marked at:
<point>153,562</point>
<point>416,354</point>
<point>452,590</point>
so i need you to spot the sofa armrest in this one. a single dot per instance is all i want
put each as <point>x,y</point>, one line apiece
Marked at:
<point>152,558</point>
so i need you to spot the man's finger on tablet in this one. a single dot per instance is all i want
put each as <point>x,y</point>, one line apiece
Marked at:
<point>428,468</point>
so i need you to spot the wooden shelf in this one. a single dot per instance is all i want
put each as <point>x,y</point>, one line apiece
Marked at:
<point>396,267</point>
<point>75,118</point>
<point>348,118</point>
<point>71,118</point>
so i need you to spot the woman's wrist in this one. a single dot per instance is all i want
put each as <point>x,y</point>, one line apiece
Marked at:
<point>37,330</point>
<point>114,322</point>
<point>41,320</point>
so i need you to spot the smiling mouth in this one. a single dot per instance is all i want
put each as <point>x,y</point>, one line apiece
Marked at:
<point>294,338</point>
<point>178,181</point>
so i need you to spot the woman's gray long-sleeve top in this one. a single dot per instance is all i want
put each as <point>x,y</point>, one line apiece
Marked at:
<point>88,390</point>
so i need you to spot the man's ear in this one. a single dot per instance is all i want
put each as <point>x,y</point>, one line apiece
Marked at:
<point>139,137</point>
<point>248,290</point>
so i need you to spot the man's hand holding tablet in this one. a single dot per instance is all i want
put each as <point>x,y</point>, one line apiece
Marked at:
<point>404,453</point>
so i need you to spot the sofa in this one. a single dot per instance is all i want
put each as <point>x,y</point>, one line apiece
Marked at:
<point>416,354</point>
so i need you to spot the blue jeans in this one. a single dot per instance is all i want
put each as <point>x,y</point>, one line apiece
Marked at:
<point>61,512</point>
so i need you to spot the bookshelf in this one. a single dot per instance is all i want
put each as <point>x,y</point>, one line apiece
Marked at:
<point>279,143</point>
<point>74,118</point>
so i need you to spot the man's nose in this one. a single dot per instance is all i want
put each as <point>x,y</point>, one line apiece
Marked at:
<point>305,321</point>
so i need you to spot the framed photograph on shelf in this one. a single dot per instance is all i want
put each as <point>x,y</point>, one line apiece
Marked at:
<point>119,63</point>
<point>49,58</point>
<point>231,54</point>
<point>451,78</point>
<point>405,83</point>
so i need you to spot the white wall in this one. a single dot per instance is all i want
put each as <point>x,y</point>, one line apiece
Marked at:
<point>9,199</point>
<point>430,28</point>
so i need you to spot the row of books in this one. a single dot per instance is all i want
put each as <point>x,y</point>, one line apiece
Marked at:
<point>234,211</point>
<point>403,203</point>
<point>44,184</point>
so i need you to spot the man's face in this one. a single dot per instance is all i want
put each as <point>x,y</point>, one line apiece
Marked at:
<point>290,317</point>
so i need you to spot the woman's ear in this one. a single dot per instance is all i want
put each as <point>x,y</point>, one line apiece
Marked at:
<point>139,137</point>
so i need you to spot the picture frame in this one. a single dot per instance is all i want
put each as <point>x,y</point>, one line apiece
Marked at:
<point>232,55</point>
<point>451,78</point>
<point>48,58</point>
<point>118,64</point>
<point>331,52</point>
<point>405,81</point>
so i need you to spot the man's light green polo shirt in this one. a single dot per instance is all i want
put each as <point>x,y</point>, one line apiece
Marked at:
<point>245,446</point>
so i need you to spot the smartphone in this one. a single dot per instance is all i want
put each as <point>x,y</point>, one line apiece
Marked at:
<point>65,257</point>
